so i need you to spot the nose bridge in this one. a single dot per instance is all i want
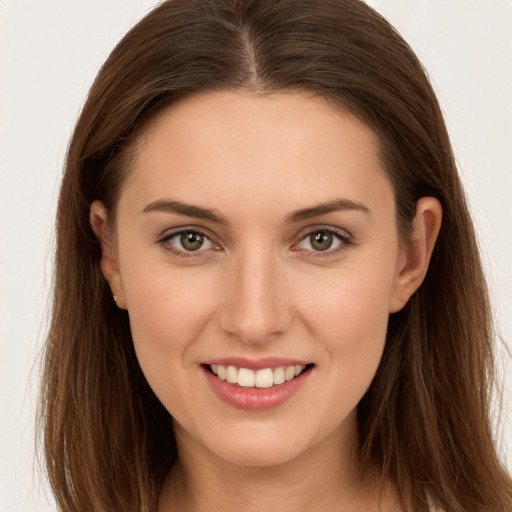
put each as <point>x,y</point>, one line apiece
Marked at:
<point>256,310</point>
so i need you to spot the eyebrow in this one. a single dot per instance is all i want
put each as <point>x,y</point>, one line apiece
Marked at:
<point>198,212</point>
<point>325,208</point>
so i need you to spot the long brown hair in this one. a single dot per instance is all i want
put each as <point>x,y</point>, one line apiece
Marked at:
<point>425,422</point>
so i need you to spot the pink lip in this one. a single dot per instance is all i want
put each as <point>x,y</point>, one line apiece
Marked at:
<point>256,364</point>
<point>254,399</point>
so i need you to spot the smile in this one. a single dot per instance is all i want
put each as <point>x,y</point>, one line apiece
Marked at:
<point>263,378</point>
<point>256,386</point>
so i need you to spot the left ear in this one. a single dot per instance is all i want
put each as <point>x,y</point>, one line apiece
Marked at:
<point>416,252</point>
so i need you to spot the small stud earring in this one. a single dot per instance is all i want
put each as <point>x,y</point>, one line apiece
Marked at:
<point>114,296</point>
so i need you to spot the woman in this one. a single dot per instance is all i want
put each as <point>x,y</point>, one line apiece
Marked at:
<point>268,292</point>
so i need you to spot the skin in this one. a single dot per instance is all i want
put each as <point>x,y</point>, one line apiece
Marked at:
<point>258,287</point>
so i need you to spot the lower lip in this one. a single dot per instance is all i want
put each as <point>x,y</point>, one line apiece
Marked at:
<point>255,399</point>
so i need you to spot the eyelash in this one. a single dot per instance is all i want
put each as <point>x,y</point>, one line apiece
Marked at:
<point>345,241</point>
<point>183,253</point>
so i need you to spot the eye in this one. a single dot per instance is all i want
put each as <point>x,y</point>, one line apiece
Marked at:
<point>187,241</point>
<point>324,240</point>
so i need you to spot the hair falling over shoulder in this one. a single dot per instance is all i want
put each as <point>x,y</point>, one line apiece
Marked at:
<point>425,422</point>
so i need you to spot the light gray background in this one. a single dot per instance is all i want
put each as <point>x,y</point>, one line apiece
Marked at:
<point>50,51</point>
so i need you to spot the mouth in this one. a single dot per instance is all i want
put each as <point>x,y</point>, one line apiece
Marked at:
<point>256,386</point>
<point>263,378</point>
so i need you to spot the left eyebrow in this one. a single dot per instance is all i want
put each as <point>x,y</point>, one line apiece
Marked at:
<point>325,208</point>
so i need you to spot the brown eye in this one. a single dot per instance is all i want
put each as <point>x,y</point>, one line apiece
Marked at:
<point>191,241</point>
<point>324,240</point>
<point>187,241</point>
<point>321,240</point>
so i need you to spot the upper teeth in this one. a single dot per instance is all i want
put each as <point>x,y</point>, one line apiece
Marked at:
<point>264,378</point>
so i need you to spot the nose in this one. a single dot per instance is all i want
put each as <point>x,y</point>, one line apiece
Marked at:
<point>255,306</point>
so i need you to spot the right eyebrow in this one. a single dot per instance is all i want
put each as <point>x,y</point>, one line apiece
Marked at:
<point>189,210</point>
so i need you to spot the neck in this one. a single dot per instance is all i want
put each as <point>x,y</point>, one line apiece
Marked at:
<point>326,477</point>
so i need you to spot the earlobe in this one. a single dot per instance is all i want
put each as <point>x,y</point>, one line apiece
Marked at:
<point>98,217</point>
<point>417,251</point>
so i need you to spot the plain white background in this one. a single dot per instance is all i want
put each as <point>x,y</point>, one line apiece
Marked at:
<point>50,51</point>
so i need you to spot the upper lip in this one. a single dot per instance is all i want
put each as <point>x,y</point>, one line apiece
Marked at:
<point>256,364</point>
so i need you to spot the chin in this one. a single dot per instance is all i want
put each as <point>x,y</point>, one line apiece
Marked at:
<point>258,455</point>
<point>250,444</point>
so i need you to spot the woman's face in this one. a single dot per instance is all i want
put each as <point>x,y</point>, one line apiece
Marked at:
<point>256,239</point>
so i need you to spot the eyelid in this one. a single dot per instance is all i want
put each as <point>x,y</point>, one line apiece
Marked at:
<point>345,238</point>
<point>164,240</point>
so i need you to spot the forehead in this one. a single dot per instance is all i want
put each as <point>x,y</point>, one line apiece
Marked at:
<point>242,148</point>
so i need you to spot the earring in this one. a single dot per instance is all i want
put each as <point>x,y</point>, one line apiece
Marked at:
<point>114,296</point>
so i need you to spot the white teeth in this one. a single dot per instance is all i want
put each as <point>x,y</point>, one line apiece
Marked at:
<point>264,378</point>
<point>221,372</point>
<point>232,375</point>
<point>289,373</point>
<point>279,375</point>
<point>246,378</point>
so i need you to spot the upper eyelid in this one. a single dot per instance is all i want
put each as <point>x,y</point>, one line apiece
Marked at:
<point>343,234</point>
<point>171,233</point>
<point>340,232</point>
<point>165,241</point>
<point>344,237</point>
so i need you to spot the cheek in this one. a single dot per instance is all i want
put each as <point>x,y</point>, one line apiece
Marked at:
<point>352,301</point>
<point>350,319</point>
<point>167,315</point>
<point>166,304</point>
